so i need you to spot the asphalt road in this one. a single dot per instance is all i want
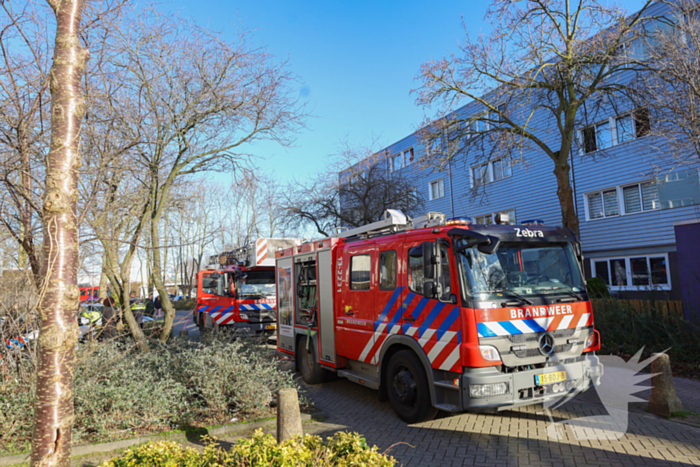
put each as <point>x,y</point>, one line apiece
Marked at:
<point>183,320</point>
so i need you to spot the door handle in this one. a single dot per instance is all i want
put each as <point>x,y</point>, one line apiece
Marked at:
<point>410,319</point>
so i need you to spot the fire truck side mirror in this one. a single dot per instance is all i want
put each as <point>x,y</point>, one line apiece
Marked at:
<point>429,289</point>
<point>430,256</point>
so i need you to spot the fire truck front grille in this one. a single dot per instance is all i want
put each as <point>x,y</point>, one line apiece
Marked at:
<point>534,336</point>
<point>526,353</point>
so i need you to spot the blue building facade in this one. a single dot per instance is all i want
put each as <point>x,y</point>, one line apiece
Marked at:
<point>629,194</point>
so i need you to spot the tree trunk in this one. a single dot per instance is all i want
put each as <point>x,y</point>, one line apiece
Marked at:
<point>565,193</point>
<point>103,284</point>
<point>167,305</point>
<point>131,319</point>
<point>58,332</point>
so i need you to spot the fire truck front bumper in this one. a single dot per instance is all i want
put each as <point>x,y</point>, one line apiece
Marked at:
<point>488,389</point>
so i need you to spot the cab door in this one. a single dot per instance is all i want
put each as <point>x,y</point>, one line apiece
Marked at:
<point>355,312</point>
<point>214,297</point>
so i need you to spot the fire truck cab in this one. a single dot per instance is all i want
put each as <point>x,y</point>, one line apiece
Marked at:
<point>237,289</point>
<point>441,314</point>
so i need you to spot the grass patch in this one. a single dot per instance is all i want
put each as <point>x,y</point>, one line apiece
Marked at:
<point>683,414</point>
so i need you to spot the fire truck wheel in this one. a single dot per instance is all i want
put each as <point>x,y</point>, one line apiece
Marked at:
<point>407,388</point>
<point>311,370</point>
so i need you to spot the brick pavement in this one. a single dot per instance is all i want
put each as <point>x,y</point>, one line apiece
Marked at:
<point>512,438</point>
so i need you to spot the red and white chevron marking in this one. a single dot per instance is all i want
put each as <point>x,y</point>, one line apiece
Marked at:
<point>260,251</point>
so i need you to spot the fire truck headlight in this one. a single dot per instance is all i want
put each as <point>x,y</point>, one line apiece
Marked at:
<point>244,316</point>
<point>477,391</point>
<point>590,341</point>
<point>273,313</point>
<point>489,353</point>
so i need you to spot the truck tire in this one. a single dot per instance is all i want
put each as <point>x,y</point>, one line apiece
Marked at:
<point>311,371</point>
<point>407,388</point>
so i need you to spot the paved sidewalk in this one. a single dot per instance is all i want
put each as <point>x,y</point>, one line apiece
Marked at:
<point>516,437</point>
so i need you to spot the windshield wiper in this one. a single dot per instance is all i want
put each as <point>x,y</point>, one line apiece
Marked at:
<point>514,294</point>
<point>566,290</point>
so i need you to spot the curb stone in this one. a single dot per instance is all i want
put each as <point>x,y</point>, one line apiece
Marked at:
<point>102,448</point>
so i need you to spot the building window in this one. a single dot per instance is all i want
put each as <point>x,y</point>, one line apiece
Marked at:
<point>360,272</point>
<point>641,197</point>
<point>491,217</point>
<point>479,124</point>
<point>502,168</point>
<point>387,270</point>
<point>480,175</point>
<point>634,272</point>
<point>597,137</point>
<point>397,162</point>
<point>484,220</point>
<point>408,157</point>
<point>629,199</point>
<point>437,189</point>
<point>497,116</point>
<point>633,125</point>
<point>625,128</point>
<point>491,171</point>
<point>603,204</point>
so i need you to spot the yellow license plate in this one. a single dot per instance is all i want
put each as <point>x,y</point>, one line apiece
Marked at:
<point>270,326</point>
<point>549,378</point>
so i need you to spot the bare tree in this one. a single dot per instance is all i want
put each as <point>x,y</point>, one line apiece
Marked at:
<point>537,76</point>
<point>53,406</point>
<point>670,88</point>
<point>356,190</point>
<point>24,115</point>
<point>194,100</point>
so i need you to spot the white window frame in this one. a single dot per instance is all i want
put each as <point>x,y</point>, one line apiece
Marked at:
<point>440,181</point>
<point>399,156</point>
<point>613,136</point>
<point>618,192</point>
<point>407,155</point>
<point>620,201</point>
<point>630,114</point>
<point>612,125</point>
<point>628,272</point>
<point>623,209</point>
<point>505,159</point>
<point>490,172</point>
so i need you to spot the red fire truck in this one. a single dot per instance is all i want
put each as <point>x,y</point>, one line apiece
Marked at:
<point>237,288</point>
<point>89,293</point>
<point>441,314</point>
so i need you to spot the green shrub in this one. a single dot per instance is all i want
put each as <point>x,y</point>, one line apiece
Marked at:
<point>343,449</point>
<point>596,288</point>
<point>624,330</point>
<point>120,392</point>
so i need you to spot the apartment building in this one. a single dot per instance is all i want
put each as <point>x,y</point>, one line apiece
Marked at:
<point>630,196</point>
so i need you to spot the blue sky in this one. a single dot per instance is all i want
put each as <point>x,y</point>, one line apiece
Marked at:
<point>357,62</point>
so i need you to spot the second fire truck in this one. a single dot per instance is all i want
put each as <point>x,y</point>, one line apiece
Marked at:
<point>441,314</point>
<point>237,288</point>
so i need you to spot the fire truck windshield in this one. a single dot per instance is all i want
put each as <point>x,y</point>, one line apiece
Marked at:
<point>521,268</point>
<point>257,284</point>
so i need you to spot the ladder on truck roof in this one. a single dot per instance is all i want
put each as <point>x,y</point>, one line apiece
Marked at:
<point>394,221</point>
